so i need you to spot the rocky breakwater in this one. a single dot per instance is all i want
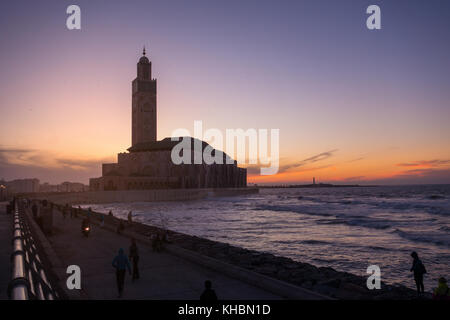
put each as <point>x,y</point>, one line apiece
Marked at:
<point>324,280</point>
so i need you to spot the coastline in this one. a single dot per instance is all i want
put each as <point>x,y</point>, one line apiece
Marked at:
<point>322,280</point>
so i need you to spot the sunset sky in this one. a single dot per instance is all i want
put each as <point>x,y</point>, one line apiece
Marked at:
<point>353,105</point>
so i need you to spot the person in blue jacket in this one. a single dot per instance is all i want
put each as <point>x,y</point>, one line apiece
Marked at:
<point>121,264</point>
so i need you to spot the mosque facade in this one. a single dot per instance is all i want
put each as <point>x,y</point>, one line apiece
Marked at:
<point>148,163</point>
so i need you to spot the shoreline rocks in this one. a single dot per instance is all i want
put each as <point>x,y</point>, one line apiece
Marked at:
<point>324,280</point>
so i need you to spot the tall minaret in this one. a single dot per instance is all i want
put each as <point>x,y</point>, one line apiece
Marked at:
<point>143,103</point>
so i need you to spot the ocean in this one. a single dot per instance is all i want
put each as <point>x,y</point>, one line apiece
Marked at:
<point>347,229</point>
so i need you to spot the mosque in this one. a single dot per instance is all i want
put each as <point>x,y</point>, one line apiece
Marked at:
<point>148,163</point>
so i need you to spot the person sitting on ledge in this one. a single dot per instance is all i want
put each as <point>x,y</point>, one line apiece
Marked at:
<point>442,292</point>
<point>208,294</point>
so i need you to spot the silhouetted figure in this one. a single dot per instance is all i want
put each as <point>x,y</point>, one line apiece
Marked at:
<point>89,212</point>
<point>419,270</point>
<point>102,220</point>
<point>85,226</point>
<point>64,210</point>
<point>121,263</point>
<point>120,227</point>
<point>134,257</point>
<point>166,237</point>
<point>110,213</point>
<point>208,294</point>
<point>34,210</point>
<point>45,219</point>
<point>130,218</point>
<point>442,292</point>
<point>157,243</point>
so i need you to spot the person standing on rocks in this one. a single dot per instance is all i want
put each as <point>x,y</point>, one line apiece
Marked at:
<point>134,257</point>
<point>419,270</point>
<point>121,264</point>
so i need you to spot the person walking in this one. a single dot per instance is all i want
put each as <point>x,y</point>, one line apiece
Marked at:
<point>120,227</point>
<point>64,210</point>
<point>419,270</point>
<point>134,257</point>
<point>208,294</point>
<point>34,210</point>
<point>121,264</point>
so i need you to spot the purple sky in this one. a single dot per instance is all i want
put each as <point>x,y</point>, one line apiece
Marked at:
<point>380,99</point>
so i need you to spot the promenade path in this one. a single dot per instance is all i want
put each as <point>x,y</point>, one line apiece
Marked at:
<point>162,275</point>
<point>5,250</point>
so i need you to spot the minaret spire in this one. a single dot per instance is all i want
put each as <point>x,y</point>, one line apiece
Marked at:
<point>143,51</point>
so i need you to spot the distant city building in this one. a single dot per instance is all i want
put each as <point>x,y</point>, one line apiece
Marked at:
<point>148,163</point>
<point>63,187</point>
<point>71,187</point>
<point>23,185</point>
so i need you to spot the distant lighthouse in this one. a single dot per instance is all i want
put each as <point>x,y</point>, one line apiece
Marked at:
<point>314,180</point>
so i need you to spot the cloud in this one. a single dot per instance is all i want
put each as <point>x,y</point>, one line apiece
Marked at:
<point>425,163</point>
<point>316,158</point>
<point>418,176</point>
<point>300,165</point>
<point>46,166</point>
<point>78,164</point>
<point>355,160</point>
<point>357,178</point>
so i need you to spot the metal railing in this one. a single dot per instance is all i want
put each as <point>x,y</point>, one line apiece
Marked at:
<point>28,278</point>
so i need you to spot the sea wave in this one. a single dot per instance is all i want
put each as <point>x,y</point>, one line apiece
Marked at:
<point>434,238</point>
<point>346,219</point>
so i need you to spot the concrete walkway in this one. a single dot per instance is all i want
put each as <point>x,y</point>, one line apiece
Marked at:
<point>163,276</point>
<point>5,250</point>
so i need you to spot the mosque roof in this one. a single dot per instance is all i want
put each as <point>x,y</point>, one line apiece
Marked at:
<point>167,144</point>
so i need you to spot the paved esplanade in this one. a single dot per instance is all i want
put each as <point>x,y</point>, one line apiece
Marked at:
<point>5,250</point>
<point>162,275</point>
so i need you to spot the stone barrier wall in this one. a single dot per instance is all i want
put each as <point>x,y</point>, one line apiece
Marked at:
<point>92,197</point>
